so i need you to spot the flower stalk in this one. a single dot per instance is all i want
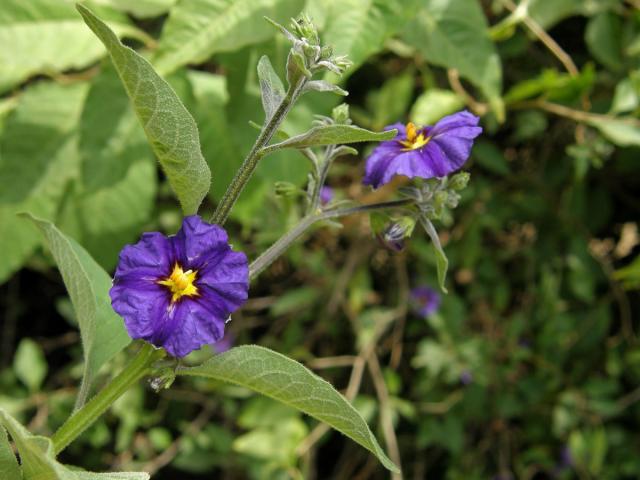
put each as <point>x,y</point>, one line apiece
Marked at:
<point>283,243</point>
<point>139,367</point>
<point>253,157</point>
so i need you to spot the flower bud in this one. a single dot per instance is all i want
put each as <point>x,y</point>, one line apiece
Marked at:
<point>459,181</point>
<point>453,199</point>
<point>440,198</point>
<point>340,114</point>
<point>286,189</point>
<point>395,232</point>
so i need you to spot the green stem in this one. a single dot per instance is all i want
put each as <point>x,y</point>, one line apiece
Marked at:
<point>82,419</point>
<point>251,161</point>
<point>284,242</point>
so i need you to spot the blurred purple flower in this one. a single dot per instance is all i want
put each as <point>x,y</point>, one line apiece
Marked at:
<point>466,377</point>
<point>427,152</point>
<point>425,300</point>
<point>177,292</point>
<point>326,195</point>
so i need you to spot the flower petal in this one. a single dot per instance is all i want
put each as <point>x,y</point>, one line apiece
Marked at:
<point>198,242</point>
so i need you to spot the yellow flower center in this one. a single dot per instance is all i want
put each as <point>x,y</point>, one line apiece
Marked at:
<point>414,139</point>
<point>180,283</point>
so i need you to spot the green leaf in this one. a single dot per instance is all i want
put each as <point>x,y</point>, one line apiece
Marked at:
<point>38,459</point>
<point>623,131</point>
<point>442,263</point>
<point>9,468</point>
<point>35,172</point>
<point>270,86</point>
<point>604,39</point>
<point>102,330</point>
<point>115,195</point>
<point>332,135</point>
<point>322,86</point>
<point>454,34</point>
<point>29,364</point>
<point>169,127</point>
<point>140,8</point>
<point>392,100</point>
<point>434,104</point>
<point>46,36</point>
<point>359,28</point>
<point>283,379</point>
<point>197,29</point>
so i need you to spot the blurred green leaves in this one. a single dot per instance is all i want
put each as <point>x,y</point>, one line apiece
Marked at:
<point>197,29</point>
<point>47,36</point>
<point>453,34</point>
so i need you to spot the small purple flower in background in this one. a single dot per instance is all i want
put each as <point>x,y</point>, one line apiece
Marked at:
<point>466,377</point>
<point>326,195</point>
<point>427,152</point>
<point>177,292</point>
<point>425,300</point>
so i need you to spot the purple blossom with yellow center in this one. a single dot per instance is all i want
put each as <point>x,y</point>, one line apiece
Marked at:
<point>178,292</point>
<point>425,300</point>
<point>425,152</point>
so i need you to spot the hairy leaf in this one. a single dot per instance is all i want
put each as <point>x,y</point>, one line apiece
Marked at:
<point>169,127</point>
<point>333,135</point>
<point>442,263</point>
<point>38,459</point>
<point>270,86</point>
<point>283,379</point>
<point>102,330</point>
<point>197,29</point>
<point>9,468</point>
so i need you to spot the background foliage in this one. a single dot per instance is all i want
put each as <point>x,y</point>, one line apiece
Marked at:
<point>530,367</point>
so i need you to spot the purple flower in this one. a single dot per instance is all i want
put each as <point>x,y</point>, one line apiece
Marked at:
<point>466,377</point>
<point>425,152</point>
<point>326,195</point>
<point>177,292</point>
<point>425,300</point>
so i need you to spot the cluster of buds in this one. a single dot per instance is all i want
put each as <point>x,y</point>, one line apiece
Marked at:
<point>433,196</point>
<point>307,56</point>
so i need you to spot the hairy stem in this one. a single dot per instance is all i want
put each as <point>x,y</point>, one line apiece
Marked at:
<point>82,419</point>
<point>284,242</point>
<point>251,161</point>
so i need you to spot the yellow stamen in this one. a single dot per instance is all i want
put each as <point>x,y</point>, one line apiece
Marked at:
<point>414,139</point>
<point>180,283</point>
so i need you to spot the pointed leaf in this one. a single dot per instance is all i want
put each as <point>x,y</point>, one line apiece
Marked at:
<point>442,263</point>
<point>169,127</point>
<point>197,29</point>
<point>38,459</point>
<point>271,87</point>
<point>332,135</point>
<point>102,330</point>
<point>9,468</point>
<point>283,379</point>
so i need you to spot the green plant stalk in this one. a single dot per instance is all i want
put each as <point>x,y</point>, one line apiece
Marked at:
<point>140,366</point>
<point>284,242</point>
<point>322,177</point>
<point>250,163</point>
